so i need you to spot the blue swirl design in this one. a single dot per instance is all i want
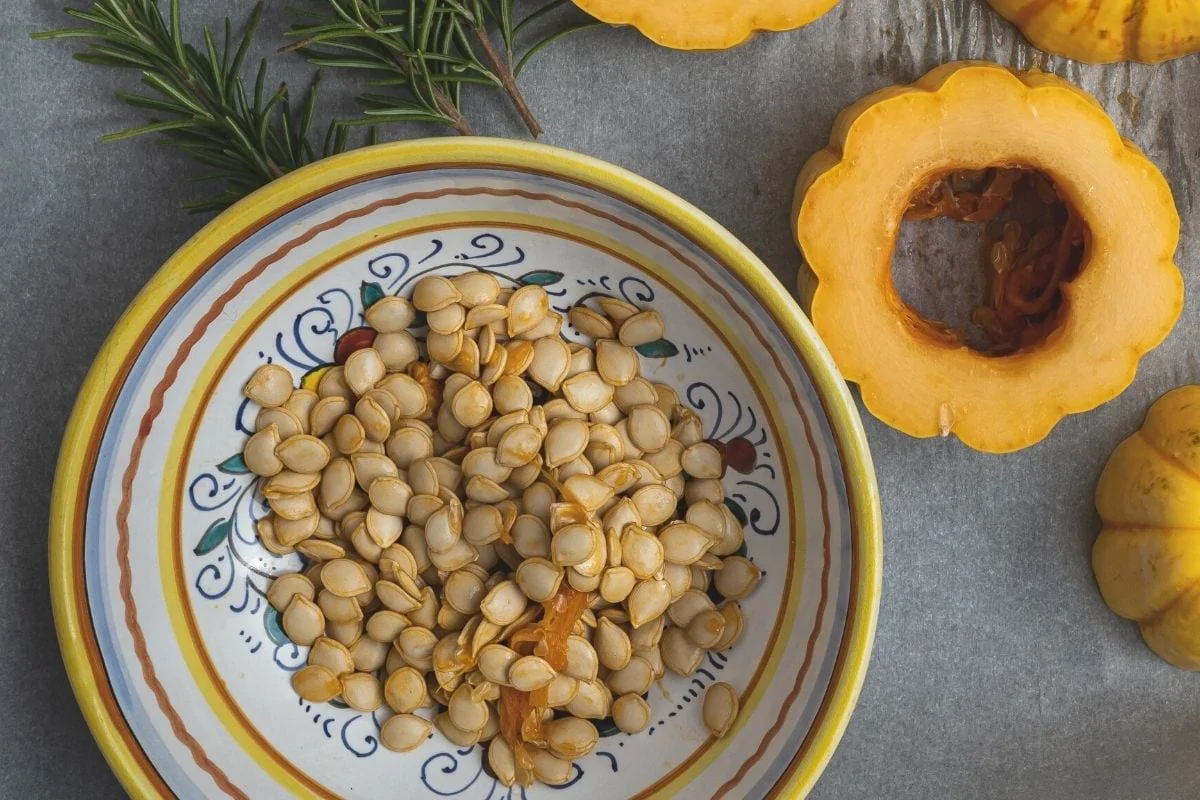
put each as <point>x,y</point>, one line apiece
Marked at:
<point>239,570</point>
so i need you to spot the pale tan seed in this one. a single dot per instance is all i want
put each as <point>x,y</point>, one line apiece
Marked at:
<point>303,454</point>
<point>616,363</point>
<point>337,608</point>
<point>678,578</point>
<point>668,400</point>
<point>591,323</point>
<point>455,734</point>
<point>467,361</point>
<point>688,430</point>
<point>720,708</point>
<point>345,578</point>
<point>702,460</point>
<point>495,661</point>
<point>738,577</point>
<point>411,398</point>
<point>349,434</point>
<point>383,528</point>
<point>326,413</point>
<point>484,315</point>
<point>636,392</point>
<point>704,489</point>
<point>415,645</point>
<point>531,536</point>
<point>666,461</point>
<point>294,506</point>
<point>269,386</point>
<point>683,543</point>
<point>376,421</point>
<point>385,625</point>
<point>679,653</point>
<point>520,356</point>
<point>476,288</point>
<point>518,446</point>
<point>303,621</point>
<point>370,466</point>
<point>550,326</point>
<point>405,690</point>
<point>434,292</point>
<point>503,762</point>
<point>333,384</point>
<point>527,307</point>
<point>561,691</point>
<point>332,655</point>
<point>443,528</point>
<point>390,495</point>
<point>291,532</point>
<point>649,635</point>
<point>612,645</point>
<point>565,441</point>
<point>464,590</point>
<point>538,578</point>
<point>530,673</point>
<point>648,600</point>
<point>390,314</point>
<point>285,422</point>
<point>511,393</point>
<point>655,503</point>
<point>616,583</point>
<point>588,491</point>
<point>457,557</point>
<point>397,599</point>
<point>446,320</point>
<point>616,309</point>
<point>404,732</point>
<point>363,369</point>
<point>559,408</point>
<point>642,328</point>
<point>734,623</point>
<point>466,712</point>
<point>345,632</point>
<point>706,629</point>
<point>582,662</point>
<point>504,603</point>
<point>634,678</point>
<point>692,603</point>
<point>573,544</point>
<point>641,552</point>
<point>259,454</point>
<point>649,428</point>
<point>320,550</point>
<point>285,587</point>
<point>472,404</point>
<point>587,392</point>
<point>580,582</point>
<point>288,483</point>
<point>631,713</point>
<point>397,350</point>
<point>362,691</point>
<point>537,499</point>
<point>316,684</point>
<point>571,737</point>
<point>551,360</point>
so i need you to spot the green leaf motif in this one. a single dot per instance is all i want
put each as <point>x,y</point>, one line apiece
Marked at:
<point>540,277</point>
<point>660,348</point>
<point>371,294</point>
<point>234,465</point>
<point>274,627</point>
<point>214,537</point>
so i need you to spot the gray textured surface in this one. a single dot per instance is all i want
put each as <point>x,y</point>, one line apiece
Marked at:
<point>997,671</point>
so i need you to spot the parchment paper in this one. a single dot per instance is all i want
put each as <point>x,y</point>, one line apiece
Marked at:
<point>997,670</point>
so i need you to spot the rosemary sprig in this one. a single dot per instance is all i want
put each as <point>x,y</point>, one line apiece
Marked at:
<point>422,52</point>
<point>198,100</point>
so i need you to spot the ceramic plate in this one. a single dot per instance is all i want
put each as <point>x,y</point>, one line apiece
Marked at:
<point>181,666</point>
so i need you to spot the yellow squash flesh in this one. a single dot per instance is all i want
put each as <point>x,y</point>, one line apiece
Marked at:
<point>1147,557</point>
<point>850,200</point>
<point>1103,31</point>
<point>706,24</point>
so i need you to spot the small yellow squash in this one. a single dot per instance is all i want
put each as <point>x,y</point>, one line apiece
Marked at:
<point>706,24</point>
<point>1147,557</point>
<point>1103,31</point>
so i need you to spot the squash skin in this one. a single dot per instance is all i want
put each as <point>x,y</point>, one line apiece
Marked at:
<point>1102,32</point>
<point>706,24</point>
<point>1147,556</point>
<point>849,202</point>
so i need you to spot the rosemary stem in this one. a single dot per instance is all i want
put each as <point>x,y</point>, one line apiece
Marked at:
<point>504,72</point>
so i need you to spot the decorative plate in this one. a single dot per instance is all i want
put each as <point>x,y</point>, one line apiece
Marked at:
<point>181,666</point>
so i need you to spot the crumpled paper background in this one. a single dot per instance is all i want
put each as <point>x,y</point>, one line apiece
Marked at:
<point>997,671</point>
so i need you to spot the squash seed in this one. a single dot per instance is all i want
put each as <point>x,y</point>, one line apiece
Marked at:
<point>390,314</point>
<point>642,328</point>
<point>303,454</point>
<point>269,386</point>
<point>344,578</point>
<point>404,732</point>
<point>467,713</point>
<point>616,583</point>
<point>655,503</point>
<point>702,460</point>
<point>719,708</point>
<point>591,323</point>
<point>303,621</point>
<point>390,495</point>
<point>434,292</point>
<point>641,552</point>
<point>362,691</point>
<point>446,320</point>
<point>631,713</point>
<point>285,422</point>
<point>679,653</point>
<point>385,625</point>
<point>571,737</point>
<point>634,678</point>
<point>285,587</point>
<point>333,384</point>
<point>260,455</point>
<point>551,360</point>
<point>316,684</point>
<point>683,543</point>
<point>649,428</point>
<point>530,673</point>
<point>332,655</point>
<point>504,603</point>
<point>527,308</point>
<point>363,369</point>
<point>648,600</point>
<point>538,578</point>
<point>405,690</point>
<point>738,577</point>
<point>415,645</point>
<point>587,392</point>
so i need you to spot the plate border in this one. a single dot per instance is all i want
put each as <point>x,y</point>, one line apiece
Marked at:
<point>73,477</point>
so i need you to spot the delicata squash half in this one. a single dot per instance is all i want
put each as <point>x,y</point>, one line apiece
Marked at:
<point>1104,31</point>
<point>706,24</point>
<point>1080,236</point>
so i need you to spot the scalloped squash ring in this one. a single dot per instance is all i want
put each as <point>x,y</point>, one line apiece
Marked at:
<point>1123,301</point>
